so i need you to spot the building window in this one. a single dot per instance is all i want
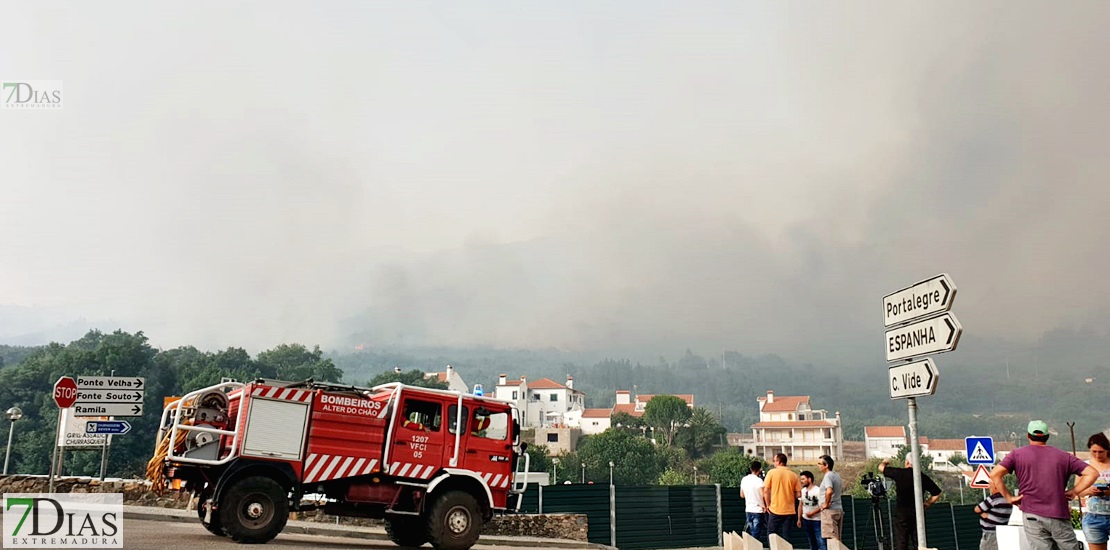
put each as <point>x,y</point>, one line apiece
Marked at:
<point>535,397</point>
<point>516,395</point>
<point>553,437</point>
<point>595,422</point>
<point>790,417</point>
<point>554,397</point>
<point>801,416</point>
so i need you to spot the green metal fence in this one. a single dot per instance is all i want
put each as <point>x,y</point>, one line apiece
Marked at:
<point>649,517</point>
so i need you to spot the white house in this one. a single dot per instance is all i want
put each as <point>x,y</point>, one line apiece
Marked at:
<point>543,403</point>
<point>635,406</point>
<point>451,377</point>
<point>592,421</point>
<point>788,425</point>
<point>883,441</point>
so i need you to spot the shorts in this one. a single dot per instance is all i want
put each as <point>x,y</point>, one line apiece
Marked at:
<point>1096,528</point>
<point>831,522</point>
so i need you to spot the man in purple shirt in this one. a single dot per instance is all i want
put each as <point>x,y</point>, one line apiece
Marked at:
<point>1043,473</point>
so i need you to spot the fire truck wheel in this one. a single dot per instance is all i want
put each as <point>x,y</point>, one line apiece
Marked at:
<point>214,526</point>
<point>254,510</point>
<point>454,522</point>
<point>406,531</point>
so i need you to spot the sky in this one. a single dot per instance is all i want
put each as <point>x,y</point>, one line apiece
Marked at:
<point>634,176</point>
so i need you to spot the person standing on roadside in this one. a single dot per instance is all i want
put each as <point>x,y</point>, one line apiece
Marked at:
<point>809,511</point>
<point>1096,522</point>
<point>993,511</point>
<point>832,509</point>
<point>1042,472</point>
<point>781,489</point>
<point>751,490</point>
<point>905,507</point>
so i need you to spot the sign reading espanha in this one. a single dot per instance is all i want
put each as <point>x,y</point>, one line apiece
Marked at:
<point>935,335</point>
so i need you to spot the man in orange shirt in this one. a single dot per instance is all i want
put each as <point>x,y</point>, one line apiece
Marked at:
<point>781,490</point>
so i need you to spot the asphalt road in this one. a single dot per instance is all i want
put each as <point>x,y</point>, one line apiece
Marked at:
<point>163,535</point>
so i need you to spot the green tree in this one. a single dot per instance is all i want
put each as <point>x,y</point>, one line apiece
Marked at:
<point>634,459</point>
<point>625,421</point>
<point>926,461</point>
<point>957,459</point>
<point>701,433</point>
<point>414,377</point>
<point>674,477</point>
<point>666,413</point>
<point>296,362</point>
<point>726,467</point>
<point>538,460</point>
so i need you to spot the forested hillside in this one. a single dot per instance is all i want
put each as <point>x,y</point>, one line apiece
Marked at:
<point>971,400</point>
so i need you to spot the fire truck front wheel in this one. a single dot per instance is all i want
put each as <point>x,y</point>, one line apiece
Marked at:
<point>406,531</point>
<point>254,510</point>
<point>213,526</point>
<point>455,521</point>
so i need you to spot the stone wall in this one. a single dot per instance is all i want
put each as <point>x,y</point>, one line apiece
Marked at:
<point>560,526</point>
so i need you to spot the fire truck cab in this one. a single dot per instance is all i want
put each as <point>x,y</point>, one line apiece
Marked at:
<point>435,465</point>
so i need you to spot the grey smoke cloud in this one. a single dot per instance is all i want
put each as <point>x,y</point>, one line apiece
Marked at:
<point>628,177</point>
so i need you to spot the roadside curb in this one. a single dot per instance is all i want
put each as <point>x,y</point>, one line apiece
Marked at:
<point>350,531</point>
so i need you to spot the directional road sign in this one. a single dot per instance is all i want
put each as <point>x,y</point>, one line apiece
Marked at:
<point>935,335</point>
<point>980,450</point>
<point>108,409</point>
<point>929,297</point>
<point>110,383</point>
<point>72,432</point>
<point>913,379</point>
<point>116,427</point>
<point>109,396</point>
<point>981,479</point>
<point>65,392</point>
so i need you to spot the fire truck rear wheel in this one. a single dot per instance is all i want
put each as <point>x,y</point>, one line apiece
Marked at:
<point>406,531</point>
<point>455,521</point>
<point>254,510</point>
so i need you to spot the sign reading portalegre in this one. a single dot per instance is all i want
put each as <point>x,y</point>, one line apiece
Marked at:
<point>63,520</point>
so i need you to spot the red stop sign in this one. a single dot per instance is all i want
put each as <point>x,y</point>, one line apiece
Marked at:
<point>65,392</point>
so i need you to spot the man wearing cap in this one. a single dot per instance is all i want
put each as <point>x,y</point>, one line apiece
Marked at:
<point>1042,472</point>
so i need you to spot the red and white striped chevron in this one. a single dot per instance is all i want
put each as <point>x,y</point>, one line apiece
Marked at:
<point>321,467</point>
<point>497,481</point>
<point>288,394</point>
<point>407,469</point>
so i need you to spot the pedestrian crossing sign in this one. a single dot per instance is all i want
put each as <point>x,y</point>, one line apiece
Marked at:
<point>980,450</point>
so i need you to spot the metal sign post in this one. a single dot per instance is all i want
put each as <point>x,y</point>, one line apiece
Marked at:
<point>918,323</point>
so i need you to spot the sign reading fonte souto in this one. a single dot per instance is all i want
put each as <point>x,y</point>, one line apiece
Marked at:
<point>929,297</point>
<point>109,396</point>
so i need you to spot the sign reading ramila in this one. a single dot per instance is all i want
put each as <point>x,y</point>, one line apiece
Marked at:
<point>63,520</point>
<point>30,94</point>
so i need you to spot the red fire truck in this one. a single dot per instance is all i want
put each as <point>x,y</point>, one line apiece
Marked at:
<point>435,465</point>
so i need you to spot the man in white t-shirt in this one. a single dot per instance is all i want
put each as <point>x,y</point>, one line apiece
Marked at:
<point>809,513</point>
<point>751,490</point>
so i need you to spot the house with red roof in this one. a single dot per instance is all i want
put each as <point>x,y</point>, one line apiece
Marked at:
<point>884,441</point>
<point>543,403</point>
<point>789,425</point>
